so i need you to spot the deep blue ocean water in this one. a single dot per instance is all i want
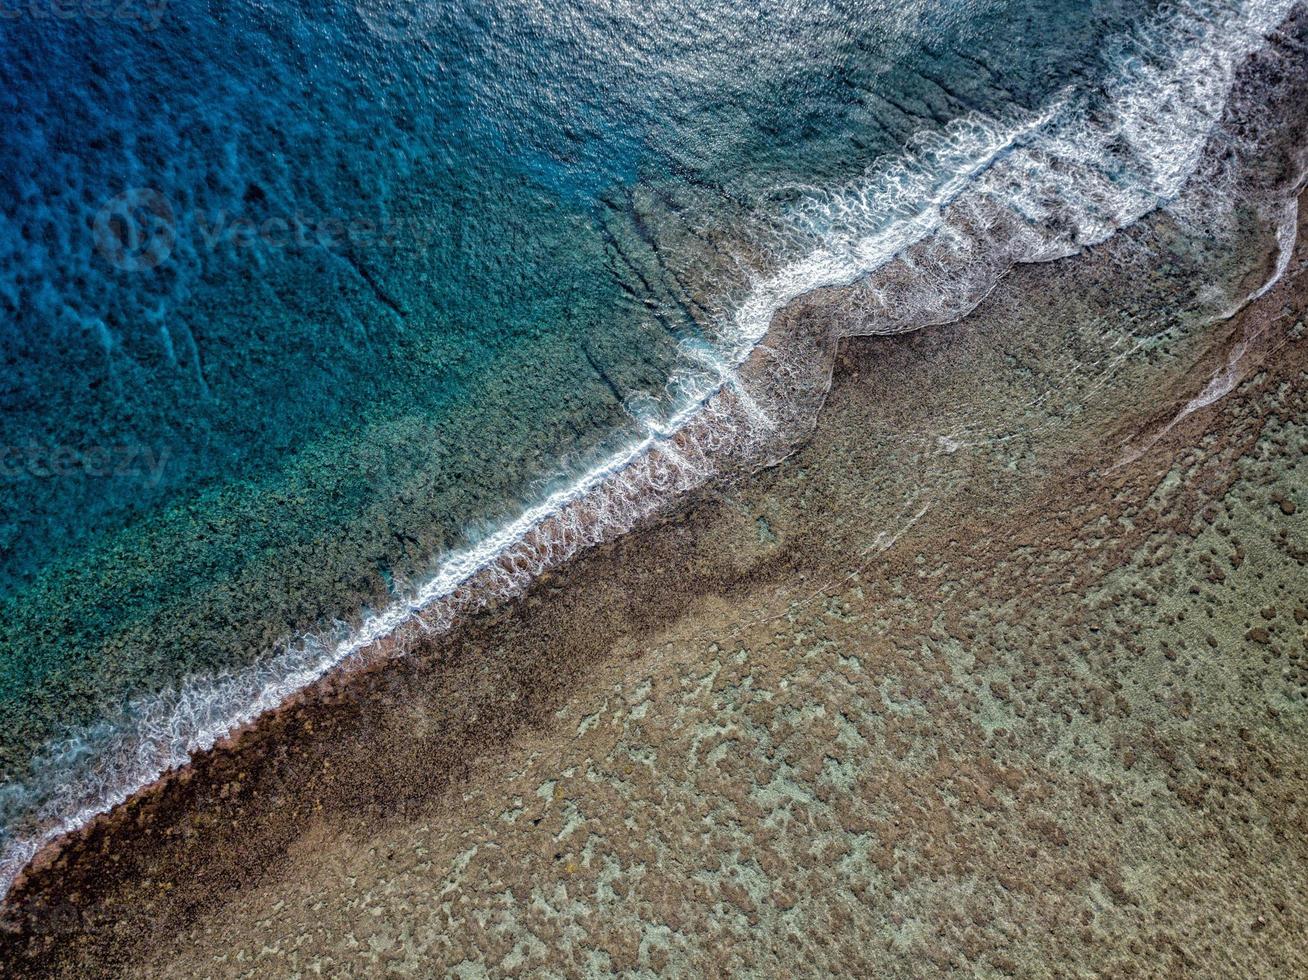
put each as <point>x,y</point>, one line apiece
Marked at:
<point>296,297</point>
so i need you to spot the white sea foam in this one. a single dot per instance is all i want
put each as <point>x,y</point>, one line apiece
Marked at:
<point>1092,164</point>
<point>925,236</point>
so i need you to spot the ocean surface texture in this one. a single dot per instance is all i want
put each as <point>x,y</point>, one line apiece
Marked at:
<point>323,320</point>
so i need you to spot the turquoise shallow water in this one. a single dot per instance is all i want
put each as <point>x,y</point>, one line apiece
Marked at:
<point>297,298</point>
